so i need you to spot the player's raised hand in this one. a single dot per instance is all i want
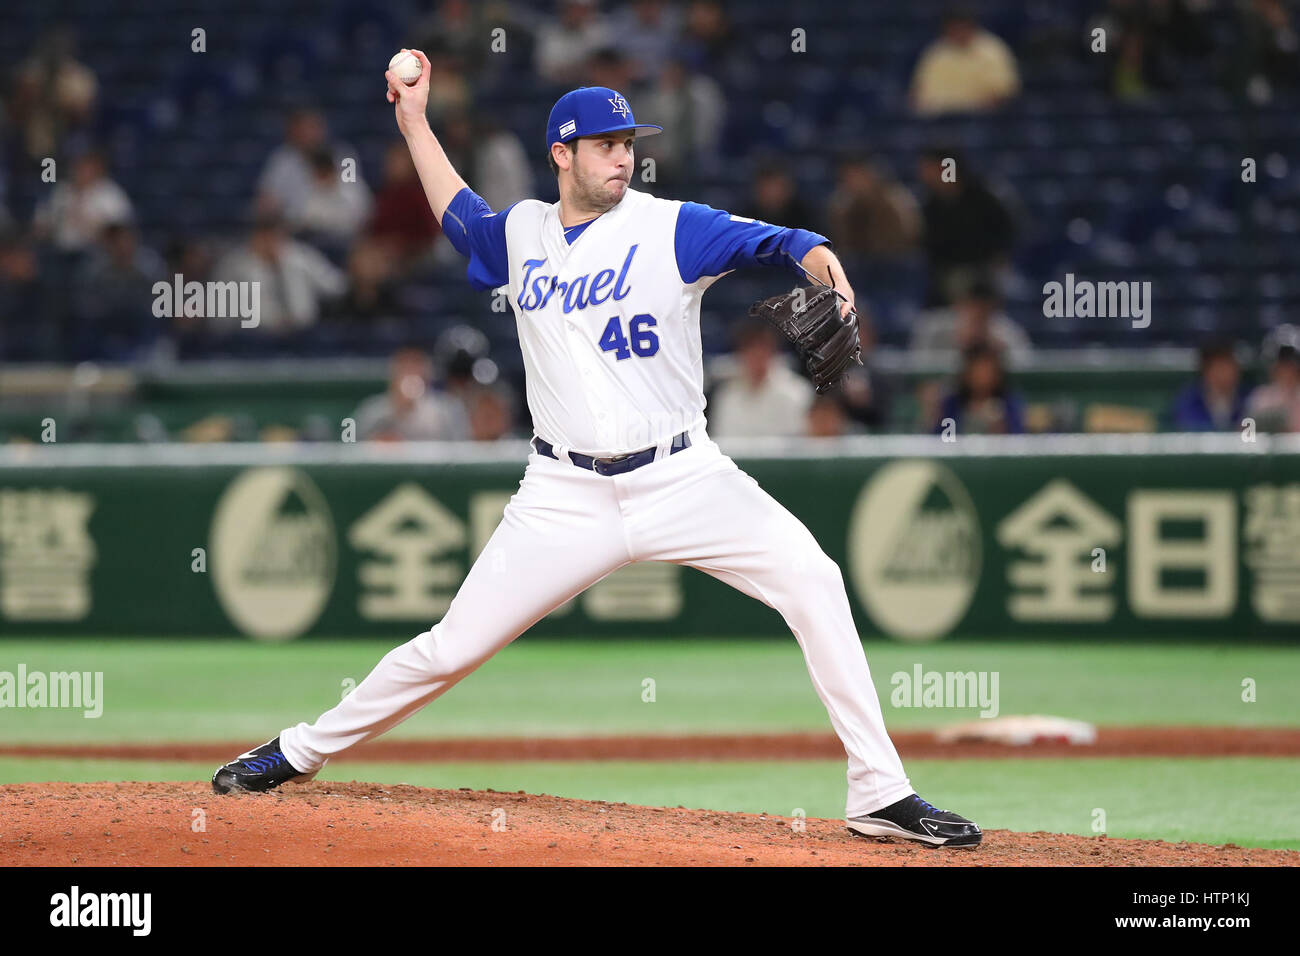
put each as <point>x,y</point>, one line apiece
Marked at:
<point>840,282</point>
<point>849,306</point>
<point>409,102</point>
<point>824,267</point>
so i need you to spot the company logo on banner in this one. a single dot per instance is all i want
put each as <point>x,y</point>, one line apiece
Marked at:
<point>46,554</point>
<point>914,549</point>
<point>273,552</point>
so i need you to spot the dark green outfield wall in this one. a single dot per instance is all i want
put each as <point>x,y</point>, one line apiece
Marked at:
<point>1164,536</point>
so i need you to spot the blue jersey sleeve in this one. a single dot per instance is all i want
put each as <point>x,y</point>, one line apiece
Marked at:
<point>479,234</point>
<point>710,242</point>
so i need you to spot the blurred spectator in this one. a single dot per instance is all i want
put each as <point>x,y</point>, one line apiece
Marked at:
<point>333,211</point>
<point>502,171</point>
<point>1269,57</point>
<point>485,404</point>
<point>1179,29</point>
<point>463,29</point>
<point>765,397</point>
<point>692,110</point>
<point>372,285</point>
<point>27,330</point>
<point>982,403</point>
<point>490,157</point>
<point>968,230</point>
<point>449,89</point>
<point>461,357</point>
<point>709,39</point>
<point>53,93</point>
<point>113,317</point>
<point>1216,401</point>
<point>1128,78</point>
<point>402,222</point>
<point>77,212</point>
<point>411,410</point>
<point>870,215</point>
<point>774,198</point>
<point>192,259</point>
<point>975,318</point>
<point>490,413</point>
<point>294,280</point>
<point>288,179</point>
<point>1275,406</point>
<point>564,44</point>
<point>646,32</point>
<point>826,418</point>
<point>189,256</point>
<point>610,68</point>
<point>1148,42</point>
<point>929,394</point>
<point>864,392</point>
<point>966,69</point>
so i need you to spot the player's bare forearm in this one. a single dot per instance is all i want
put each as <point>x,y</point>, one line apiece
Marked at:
<point>825,265</point>
<point>439,178</point>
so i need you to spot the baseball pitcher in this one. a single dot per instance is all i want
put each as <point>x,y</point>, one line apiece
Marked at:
<point>606,287</point>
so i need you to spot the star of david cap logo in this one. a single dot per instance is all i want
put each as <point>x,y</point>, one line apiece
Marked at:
<point>590,111</point>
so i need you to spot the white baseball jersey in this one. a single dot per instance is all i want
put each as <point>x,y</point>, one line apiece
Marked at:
<point>609,315</point>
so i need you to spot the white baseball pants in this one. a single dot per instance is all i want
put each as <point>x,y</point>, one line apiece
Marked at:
<point>565,529</point>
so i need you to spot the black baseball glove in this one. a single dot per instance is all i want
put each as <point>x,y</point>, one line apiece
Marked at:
<point>810,318</point>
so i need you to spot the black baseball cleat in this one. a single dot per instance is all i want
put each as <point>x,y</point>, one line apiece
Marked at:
<point>263,768</point>
<point>913,819</point>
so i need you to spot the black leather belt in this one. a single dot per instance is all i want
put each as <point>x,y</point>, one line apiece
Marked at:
<point>619,464</point>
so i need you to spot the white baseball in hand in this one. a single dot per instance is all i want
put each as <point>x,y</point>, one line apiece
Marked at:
<point>406,65</point>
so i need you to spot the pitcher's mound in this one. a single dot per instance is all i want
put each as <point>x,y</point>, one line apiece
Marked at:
<point>320,823</point>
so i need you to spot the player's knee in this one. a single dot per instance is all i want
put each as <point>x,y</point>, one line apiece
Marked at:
<point>818,569</point>
<point>450,660</point>
<point>452,655</point>
<point>833,575</point>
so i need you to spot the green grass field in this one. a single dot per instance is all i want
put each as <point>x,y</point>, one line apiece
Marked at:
<point>193,689</point>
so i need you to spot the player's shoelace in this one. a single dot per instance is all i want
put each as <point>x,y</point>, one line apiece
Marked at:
<point>265,762</point>
<point>929,806</point>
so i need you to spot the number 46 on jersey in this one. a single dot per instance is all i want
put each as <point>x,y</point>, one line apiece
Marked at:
<point>643,341</point>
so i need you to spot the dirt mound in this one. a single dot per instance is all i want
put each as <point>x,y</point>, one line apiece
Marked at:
<point>169,824</point>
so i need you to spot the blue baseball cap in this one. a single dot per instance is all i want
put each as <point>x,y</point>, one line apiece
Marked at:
<point>590,111</point>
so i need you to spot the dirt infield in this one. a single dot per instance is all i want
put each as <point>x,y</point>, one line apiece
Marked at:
<point>322,823</point>
<point>914,745</point>
<point>170,824</point>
